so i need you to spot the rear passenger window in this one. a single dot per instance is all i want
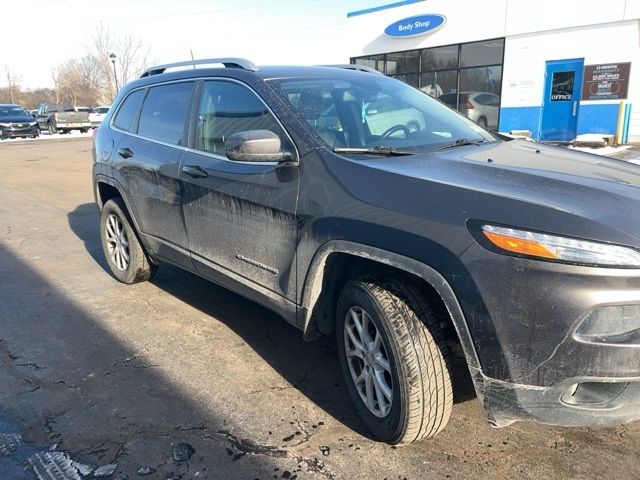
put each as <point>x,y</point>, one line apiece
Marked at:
<point>164,112</point>
<point>126,114</point>
<point>227,108</point>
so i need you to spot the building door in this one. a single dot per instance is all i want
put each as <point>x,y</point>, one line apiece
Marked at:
<point>562,89</point>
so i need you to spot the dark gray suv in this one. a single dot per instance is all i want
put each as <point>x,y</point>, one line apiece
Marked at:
<point>349,202</point>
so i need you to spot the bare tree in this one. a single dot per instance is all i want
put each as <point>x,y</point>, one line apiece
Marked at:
<point>13,84</point>
<point>131,58</point>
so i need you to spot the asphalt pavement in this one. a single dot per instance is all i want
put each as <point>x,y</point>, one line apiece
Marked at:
<point>101,374</point>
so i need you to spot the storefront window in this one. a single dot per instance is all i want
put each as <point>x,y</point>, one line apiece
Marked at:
<point>467,77</point>
<point>481,53</point>
<point>403,62</point>
<point>374,61</point>
<point>440,83</point>
<point>412,79</point>
<point>440,58</point>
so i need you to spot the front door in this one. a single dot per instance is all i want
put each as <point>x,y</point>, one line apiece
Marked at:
<point>240,216</point>
<point>563,86</point>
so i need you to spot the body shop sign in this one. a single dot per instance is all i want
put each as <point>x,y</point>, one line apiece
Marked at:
<point>414,26</point>
<point>608,81</point>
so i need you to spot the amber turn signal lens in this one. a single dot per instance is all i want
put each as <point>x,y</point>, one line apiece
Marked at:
<point>519,245</point>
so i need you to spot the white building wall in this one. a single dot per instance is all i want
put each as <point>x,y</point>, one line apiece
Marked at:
<point>525,57</point>
<point>599,32</point>
<point>542,15</point>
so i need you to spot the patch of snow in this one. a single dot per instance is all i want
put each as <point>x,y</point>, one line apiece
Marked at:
<point>48,136</point>
<point>606,151</point>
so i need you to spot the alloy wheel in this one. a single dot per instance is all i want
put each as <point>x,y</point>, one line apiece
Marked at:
<point>368,362</point>
<point>117,242</point>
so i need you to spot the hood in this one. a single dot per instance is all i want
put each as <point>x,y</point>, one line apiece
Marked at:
<point>534,186</point>
<point>17,119</point>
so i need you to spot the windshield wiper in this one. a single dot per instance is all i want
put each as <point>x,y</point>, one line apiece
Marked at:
<point>460,142</point>
<point>379,150</point>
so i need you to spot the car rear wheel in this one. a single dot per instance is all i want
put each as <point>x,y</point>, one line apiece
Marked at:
<point>125,255</point>
<point>482,122</point>
<point>394,359</point>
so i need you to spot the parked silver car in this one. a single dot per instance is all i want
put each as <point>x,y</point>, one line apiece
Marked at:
<point>481,107</point>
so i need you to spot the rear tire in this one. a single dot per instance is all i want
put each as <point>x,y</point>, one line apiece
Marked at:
<point>482,122</point>
<point>410,367</point>
<point>125,255</point>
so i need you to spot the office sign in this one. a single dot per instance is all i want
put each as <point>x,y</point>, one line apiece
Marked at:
<point>414,26</point>
<point>606,81</point>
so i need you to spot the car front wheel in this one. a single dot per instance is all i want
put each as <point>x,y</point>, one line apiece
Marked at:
<point>125,255</point>
<point>394,359</point>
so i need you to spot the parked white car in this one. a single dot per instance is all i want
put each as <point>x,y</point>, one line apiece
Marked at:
<point>97,115</point>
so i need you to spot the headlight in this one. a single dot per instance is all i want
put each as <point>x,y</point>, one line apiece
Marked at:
<point>5,125</point>
<point>562,249</point>
<point>33,124</point>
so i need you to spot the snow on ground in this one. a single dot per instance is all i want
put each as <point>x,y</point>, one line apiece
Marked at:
<point>607,151</point>
<point>47,136</point>
<point>630,153</point>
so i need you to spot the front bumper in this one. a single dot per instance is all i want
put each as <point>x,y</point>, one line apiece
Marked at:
<point>559,344</point>
<point>573,402</point>
<point>13,132</point>
<point>73,126</point>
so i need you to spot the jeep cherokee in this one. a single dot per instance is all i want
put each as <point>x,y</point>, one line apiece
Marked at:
<point>349,202</point>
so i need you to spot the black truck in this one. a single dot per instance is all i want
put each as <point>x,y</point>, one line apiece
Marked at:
<point>410,233</point>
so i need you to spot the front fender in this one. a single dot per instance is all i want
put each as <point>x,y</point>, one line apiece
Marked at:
<point>315,275</point>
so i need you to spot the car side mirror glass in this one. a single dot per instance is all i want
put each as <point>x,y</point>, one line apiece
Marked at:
<point>255,146</point>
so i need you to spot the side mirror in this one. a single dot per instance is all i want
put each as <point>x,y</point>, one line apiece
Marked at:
<point>255,146</point>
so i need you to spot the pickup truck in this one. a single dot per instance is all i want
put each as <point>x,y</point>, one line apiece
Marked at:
<point>62,117</point>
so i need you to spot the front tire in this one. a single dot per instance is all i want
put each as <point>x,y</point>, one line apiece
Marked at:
<point>394,359</point>
<point>125,255</point>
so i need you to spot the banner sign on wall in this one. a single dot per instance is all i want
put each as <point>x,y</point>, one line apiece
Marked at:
<point>607,81</point>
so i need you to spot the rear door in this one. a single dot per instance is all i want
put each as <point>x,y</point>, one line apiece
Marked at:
<point>148,159</point>
<point>240,216</point>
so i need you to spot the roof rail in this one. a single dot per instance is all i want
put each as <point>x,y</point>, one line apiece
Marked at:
<point>351,66</point>
<point>227,62</point>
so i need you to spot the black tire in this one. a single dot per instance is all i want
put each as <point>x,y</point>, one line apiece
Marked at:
<point>482,122</point>
<point>413,339</point>
<point>84,130</point>
<point>52,129</point>
<point>139,267</point>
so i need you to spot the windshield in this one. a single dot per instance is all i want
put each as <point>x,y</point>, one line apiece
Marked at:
<point>367,111</point>
<point>12,111</point>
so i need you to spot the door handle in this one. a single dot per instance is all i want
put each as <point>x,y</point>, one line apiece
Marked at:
<point>194,171</point>
<point>575,105</point>
<point>125,152</point>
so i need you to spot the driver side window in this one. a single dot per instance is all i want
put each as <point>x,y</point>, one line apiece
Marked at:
<point>227,108</point>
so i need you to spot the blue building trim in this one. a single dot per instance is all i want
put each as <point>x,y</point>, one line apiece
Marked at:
<point>382,7</point>
<point>520,118</point>
<point>598,118</point>
<point>592,118</point>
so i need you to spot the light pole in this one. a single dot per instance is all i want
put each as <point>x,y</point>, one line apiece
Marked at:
<point>115,77</point>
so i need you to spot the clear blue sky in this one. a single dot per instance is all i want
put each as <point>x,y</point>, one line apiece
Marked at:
<point>267,32</point>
